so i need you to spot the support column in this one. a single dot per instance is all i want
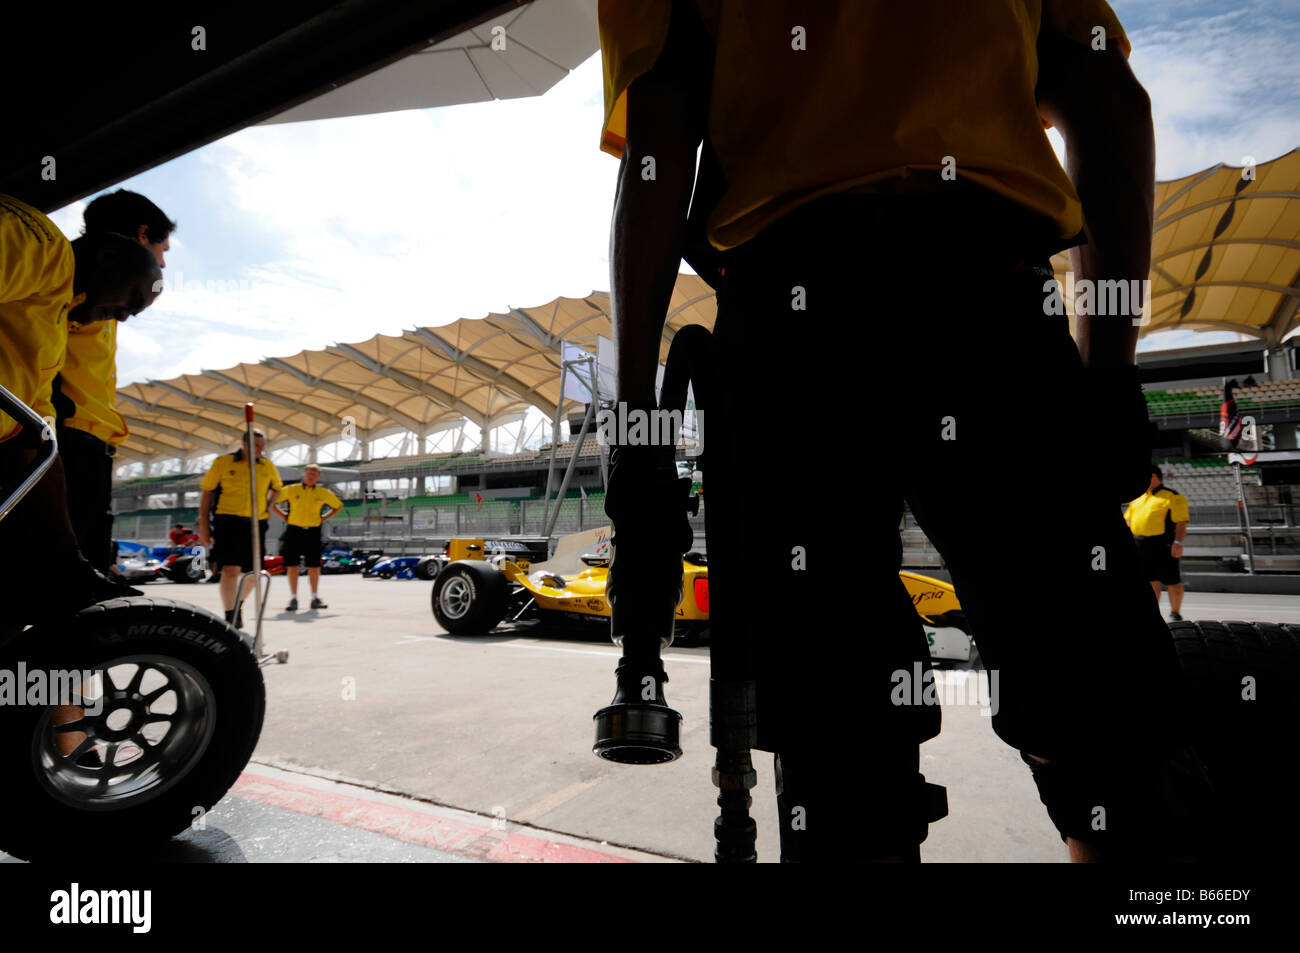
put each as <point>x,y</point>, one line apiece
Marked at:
<point>1279,362</point>
<point>363,450</point>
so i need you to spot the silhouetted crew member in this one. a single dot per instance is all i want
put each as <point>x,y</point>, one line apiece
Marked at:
<point>877,204</point>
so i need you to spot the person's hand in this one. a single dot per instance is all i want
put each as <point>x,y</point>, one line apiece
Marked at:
<point>205,536</point>
<point>646,502</point>
<point>1175,549</point>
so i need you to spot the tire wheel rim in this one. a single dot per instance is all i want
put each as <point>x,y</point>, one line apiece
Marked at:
<point>155,718</point>
<point>456,597</point>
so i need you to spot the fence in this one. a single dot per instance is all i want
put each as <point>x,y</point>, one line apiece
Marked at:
<point>491,517</point>
<point>143,527</point>
<point>421,528</point>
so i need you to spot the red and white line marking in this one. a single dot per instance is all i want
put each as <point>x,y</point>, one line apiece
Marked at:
<point>457,832</point>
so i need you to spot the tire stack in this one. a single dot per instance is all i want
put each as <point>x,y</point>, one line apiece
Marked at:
<point>1242,679</point>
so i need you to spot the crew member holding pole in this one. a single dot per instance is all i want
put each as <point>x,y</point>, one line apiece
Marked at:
<point>300,505</point>
<point>229,473</point>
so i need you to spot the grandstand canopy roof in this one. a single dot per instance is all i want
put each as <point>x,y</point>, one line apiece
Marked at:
<point>488,370</point>
<point>1226,251</point>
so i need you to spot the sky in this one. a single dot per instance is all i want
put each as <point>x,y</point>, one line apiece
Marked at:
<point>299,235</point>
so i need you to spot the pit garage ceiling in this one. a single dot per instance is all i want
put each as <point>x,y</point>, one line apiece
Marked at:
<point>106,91</point>
<point>521,52</point>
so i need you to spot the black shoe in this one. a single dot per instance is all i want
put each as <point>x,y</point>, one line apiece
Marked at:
<point>292,606</point>
<point>317,604</point>
<point>1175,617</point>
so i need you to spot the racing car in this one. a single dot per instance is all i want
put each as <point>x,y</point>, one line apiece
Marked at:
<point>472,595</point>
<point>340,559</point>
<point>137,564</point>
<point>393,567</point>
<point>183,564</point>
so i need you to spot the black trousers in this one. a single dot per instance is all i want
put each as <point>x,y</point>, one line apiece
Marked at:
<point>88,466</point>
<point>866,354</point>
<point>302,543</point>
<point>232,541</point>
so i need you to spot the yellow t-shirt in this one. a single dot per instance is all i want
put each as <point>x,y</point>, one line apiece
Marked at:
<point>305,503</point>
<point>36,271</point>
<point>1153,514</point>
<point>830,96</point>
<point>232,476</point>
<point>88,382</point>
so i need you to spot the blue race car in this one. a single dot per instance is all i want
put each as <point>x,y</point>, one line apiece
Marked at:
<point>393,567</point>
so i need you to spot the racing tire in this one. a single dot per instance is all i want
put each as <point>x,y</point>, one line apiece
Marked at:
<point>183,571</point>
<point>426,569</point>
<point>1240,678</point>
<point>146,778</point>
<point>469,598</point>
<point>385,574</point>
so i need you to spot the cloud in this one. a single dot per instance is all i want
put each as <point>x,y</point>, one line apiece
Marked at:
<point>379,223</point>
<point>1224,84</point>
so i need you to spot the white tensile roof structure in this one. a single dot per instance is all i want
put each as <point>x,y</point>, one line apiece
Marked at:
<point>1226,251</point>
<point>488,370</point>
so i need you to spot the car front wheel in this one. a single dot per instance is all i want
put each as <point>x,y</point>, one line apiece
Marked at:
<point>469,598</point>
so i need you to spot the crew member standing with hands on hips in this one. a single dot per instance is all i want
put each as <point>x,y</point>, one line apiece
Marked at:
<point>302,536</point>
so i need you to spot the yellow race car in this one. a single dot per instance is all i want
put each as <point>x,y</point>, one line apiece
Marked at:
<point>481,587</point>
<point>485,584</point>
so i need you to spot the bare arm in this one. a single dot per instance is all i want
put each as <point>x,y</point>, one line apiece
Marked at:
<point>665,124</point>
<point>1104,115</point>
<point>205,507</point>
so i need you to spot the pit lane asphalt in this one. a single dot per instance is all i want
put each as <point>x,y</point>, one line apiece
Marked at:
<point>388,740</point>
